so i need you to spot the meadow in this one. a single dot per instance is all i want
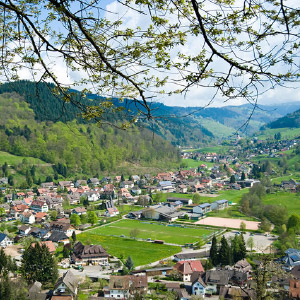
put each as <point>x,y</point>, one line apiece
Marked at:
<point>142,253</point>
<point>286,133</point>
<point>290,200</point>
<point>154,230</point>
<point>11,159</point>
<point>231,195</point>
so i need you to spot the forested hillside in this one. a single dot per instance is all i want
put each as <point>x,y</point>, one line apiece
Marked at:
<point>76,147</point>
<point>291,120</point>
<point>47,107</point>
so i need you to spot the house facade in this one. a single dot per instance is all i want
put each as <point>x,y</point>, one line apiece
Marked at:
<point>5,240</point>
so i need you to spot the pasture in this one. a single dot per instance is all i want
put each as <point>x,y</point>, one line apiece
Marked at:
<point>14,159</point>
<point>290,200</point>
<point>155,231</point>
<point>142,253</point>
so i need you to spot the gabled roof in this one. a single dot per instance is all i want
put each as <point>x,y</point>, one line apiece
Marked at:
<point>189,266</point>
<point>57,236</point>
<point>199,279</point>
<point>70,280</point>
<point>2,236</point>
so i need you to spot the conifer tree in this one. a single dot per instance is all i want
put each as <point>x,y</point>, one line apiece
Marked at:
<point>213,254</point>
<point>74,236</point>
<point>242,246</point>
<point>39,265</point>
<point>224,255</point>
<point>129,263</point>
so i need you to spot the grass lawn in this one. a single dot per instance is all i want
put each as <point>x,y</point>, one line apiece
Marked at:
<point>155,231</point>
<point>191,163</point>
<point>217,149</point>
<point>277,180</point>
<point>290,200</point>
<point>14,159</point>
<point>142,253</point>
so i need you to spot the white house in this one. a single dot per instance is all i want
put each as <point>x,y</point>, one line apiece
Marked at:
<point>93,196</point>
<point>127,184</point>
<point>27,217</point>
<point>5,240</point>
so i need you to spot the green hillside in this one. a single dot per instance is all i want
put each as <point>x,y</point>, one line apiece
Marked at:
<point>47,107</point>
<point>286,133</point>
<point>291,120</point>
<point>75,147</point>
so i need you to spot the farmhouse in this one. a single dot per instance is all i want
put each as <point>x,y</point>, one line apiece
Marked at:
<point>89,254</point>
<point>188,256</point>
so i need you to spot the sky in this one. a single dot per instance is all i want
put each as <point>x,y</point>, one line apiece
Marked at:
<point>201,96</point>
<point>196,96</point>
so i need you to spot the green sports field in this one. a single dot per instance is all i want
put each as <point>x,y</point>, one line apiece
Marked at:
<point>154,231</point>
<point>142,253</point>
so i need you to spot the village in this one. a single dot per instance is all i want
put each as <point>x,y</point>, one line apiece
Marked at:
<point>68,216</point>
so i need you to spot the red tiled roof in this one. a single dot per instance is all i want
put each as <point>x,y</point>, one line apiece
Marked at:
<point>189,266</point>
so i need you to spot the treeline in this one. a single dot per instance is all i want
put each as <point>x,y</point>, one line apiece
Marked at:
<point>226,253</point>
<point>78,148</point>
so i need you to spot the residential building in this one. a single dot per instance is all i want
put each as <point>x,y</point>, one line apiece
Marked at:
<point>39,206</point>
<point>198,287</point>
<point>202,208</point>
<point>5,240</point>
<point>67,285</point>
<point>79,211</point>
<point>27,217</point>
<point>187,268</point>
<point>219,204</point>
<point>123,287</point>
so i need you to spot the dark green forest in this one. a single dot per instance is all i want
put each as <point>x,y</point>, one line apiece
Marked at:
<point>74,145</point>
<point>291,120</point>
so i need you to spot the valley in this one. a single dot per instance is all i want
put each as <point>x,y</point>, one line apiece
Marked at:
<point>135,202</point>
